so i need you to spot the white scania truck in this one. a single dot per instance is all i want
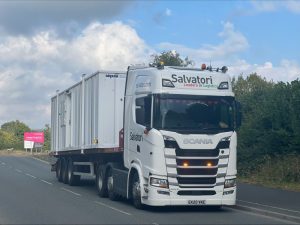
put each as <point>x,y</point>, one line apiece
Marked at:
<point>156,135</point>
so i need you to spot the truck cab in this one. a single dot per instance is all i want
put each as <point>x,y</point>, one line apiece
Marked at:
<point>180,136</point>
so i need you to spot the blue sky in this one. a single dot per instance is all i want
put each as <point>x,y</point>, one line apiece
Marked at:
<point>272,34</point>
<point>47,45</point>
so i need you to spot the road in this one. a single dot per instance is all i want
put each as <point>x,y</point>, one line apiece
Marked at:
<point>30,194</point>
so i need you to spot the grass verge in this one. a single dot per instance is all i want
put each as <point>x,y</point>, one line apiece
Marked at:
<point>281,171</point>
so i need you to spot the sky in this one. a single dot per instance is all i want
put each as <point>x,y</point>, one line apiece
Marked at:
<point>46,45</point>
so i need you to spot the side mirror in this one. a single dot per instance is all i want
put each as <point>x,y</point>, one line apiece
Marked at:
<point>147,129</point>
<point>238,114</point>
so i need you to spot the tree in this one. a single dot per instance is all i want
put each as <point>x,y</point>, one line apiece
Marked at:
<point>171,58</point>
<point>16,129</point>
<point>7,140</point>
<point>270,120</point>
<point>47,134</point>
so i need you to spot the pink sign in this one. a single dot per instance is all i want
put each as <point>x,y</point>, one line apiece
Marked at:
<point>37,137</point>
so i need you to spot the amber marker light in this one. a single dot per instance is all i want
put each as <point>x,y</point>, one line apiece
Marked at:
<point>209,164</point>
<point>185,164</point>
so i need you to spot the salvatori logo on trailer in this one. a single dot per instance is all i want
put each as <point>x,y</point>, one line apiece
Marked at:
<point>193,81</point>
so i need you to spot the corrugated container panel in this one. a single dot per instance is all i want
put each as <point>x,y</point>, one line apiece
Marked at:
<point>76,128</point>
<point>102,110</point>
<point>53,123</point>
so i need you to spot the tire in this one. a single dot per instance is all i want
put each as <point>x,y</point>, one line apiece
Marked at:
<point>110,186</point>
<point>136,192</point>
<point>59,170</point>
<point>71,178</point>
<point>101,182</point>
<point>64,171</point>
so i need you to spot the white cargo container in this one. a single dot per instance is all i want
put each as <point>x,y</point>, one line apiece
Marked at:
<point>155,135</point>
<point>89,115</point>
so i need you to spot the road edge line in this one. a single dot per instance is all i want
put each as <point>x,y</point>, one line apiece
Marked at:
<point>41,160</point>
<point>113,208</point>
<point>267,213</point>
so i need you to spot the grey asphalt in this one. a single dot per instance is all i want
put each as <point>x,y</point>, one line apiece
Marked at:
<point>280,201</point>
<point>30,194</point>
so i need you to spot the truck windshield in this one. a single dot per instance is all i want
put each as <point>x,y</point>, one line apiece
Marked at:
<point>196,114</point>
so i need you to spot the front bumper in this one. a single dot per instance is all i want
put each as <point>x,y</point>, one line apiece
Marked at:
<point>159,197</point>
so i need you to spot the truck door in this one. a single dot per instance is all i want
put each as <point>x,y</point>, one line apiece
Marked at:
<point>140,147</point>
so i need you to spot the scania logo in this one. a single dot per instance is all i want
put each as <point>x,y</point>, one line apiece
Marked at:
<point>197,141</point>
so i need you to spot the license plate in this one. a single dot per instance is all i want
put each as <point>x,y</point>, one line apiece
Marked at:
<point>197,202</point>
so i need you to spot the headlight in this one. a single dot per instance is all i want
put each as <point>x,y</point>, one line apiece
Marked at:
<point>169,142</point>
<point>167,138</point>
<point>226,138</point>
<point>230,183</point>
<point>157,182</point>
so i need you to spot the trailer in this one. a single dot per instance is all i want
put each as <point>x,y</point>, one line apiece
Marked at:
<point>156,135</point>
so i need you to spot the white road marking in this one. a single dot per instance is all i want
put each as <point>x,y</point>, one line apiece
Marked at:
<point>267,214</point>
<point>27,174</point>
<point>20,171</point>
<point>41,160</point>
<point>113,208</point>
<point>74,193</point>
<point>254,203</point>
<point>46,182</point>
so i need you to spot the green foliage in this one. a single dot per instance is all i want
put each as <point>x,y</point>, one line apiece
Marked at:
<point>281,171</point>
<point>47,134</point>
<point>15,131</point>
<point>7,140</point>
<point>12,135</point>
<point>171,58</point>
<point>271,121</point>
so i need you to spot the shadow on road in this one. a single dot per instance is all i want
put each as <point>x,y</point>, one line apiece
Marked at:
<point>184,209</point>
<point>90,184</point>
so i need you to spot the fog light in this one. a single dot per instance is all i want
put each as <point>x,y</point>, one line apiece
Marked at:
<point>157,182</point>
<point>230,183</point>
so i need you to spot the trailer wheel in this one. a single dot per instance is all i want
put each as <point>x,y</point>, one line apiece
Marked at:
<point>136,192</point>
<point>110,186</point>
<point>72,179</point>
<point>101,182</point>
<point>64,171</point>
<point>59,170</point>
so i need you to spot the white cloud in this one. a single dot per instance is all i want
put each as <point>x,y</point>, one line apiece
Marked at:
<point>233,42</point>
<point>168,12</point>
<point>32,68</point>
<point>265,5</point>
<point>271,6</point>
<point>286,71</point>
<point>228,53</point>
<point>20,17</point>
<point>293,6</point>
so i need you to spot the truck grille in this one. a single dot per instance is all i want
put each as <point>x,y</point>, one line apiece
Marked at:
<point>182,180</point>
<point>196,168</point>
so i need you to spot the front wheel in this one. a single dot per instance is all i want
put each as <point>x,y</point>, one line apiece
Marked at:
<point>136,192</point>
